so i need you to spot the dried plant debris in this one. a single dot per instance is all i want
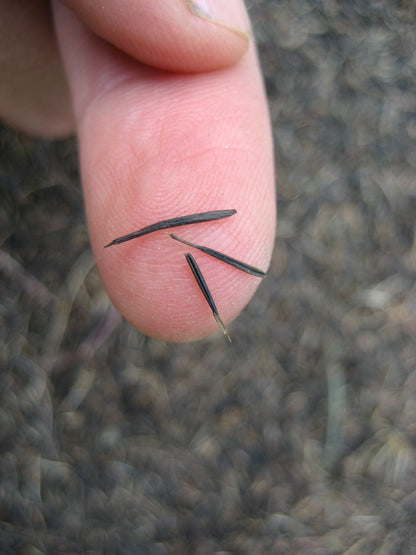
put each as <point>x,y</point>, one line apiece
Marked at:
<point>206,292</point>
<point>243,266</point>
<point>174,222</point>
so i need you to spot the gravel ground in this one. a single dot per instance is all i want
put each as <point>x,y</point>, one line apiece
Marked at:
<point>301,436</point>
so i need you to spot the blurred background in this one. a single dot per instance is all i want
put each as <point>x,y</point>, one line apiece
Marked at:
<point>301,436</point>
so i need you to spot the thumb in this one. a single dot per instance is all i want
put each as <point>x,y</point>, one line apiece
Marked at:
<point>171,35</point>
<point>156,145</point>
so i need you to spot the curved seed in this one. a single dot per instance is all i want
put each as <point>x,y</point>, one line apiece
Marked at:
<point>174,222</point>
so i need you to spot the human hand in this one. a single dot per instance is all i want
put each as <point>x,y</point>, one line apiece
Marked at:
<point>171,119</point>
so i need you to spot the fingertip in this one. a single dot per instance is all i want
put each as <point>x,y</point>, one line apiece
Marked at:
<point>155,145</point>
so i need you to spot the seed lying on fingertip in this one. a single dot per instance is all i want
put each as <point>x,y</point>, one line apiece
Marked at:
<point>174,222</point>
<point>196,271</point>
<point>243,266</point>
<point>206,292</point>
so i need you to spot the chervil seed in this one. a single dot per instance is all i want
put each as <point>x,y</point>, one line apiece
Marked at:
<point>174,222</point>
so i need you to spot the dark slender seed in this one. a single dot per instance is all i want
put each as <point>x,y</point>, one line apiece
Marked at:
<point>223,257</point>
<point>174,222</point>
<point>206,292</point>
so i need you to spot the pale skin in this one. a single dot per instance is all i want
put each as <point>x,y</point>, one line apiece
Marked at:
<point>171,119</point>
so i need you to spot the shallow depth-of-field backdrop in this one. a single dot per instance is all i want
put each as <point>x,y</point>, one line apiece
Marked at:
<point>300,437</point>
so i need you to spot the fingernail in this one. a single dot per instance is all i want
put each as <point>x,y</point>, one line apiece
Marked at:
<point>230,14</point>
